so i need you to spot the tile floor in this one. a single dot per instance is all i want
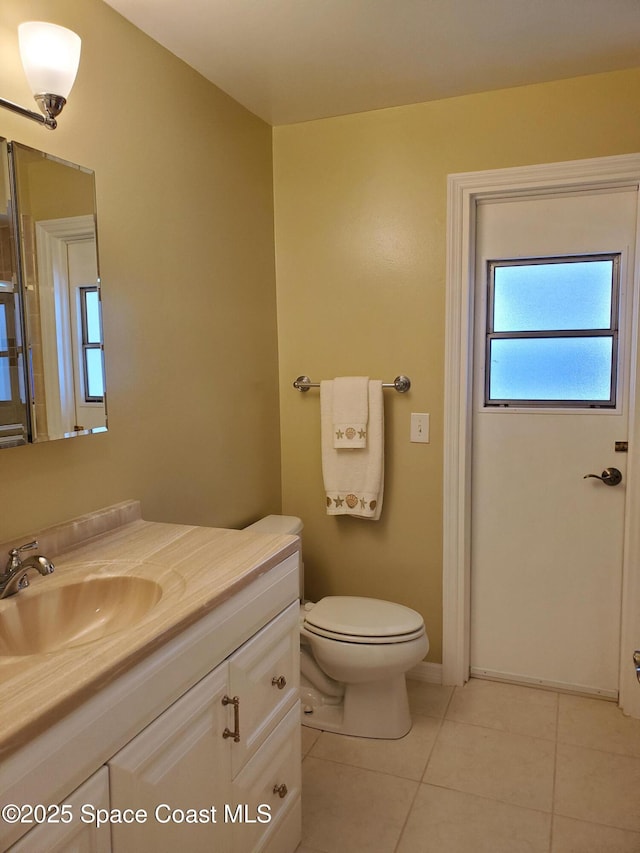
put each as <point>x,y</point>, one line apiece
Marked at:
<point>486,768</point>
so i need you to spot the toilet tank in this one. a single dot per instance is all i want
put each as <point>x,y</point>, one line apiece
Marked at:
<point>285,524</point>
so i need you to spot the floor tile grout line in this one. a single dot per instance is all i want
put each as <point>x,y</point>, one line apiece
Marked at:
<point>555,776</point>
<point>613,826</point>
<point>499,731</point>
<point>432,750</point>
<point>449,701</point>
<point>609,827</point>
<point>365,769</point>
<point>441,720</point>
<point>428,716</point>
<point>360,768</point>
<point>406,820</point>
<point>599,749</point>
<point>548,813</point>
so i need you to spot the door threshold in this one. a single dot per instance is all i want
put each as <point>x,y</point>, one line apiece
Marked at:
<point>542,684</point>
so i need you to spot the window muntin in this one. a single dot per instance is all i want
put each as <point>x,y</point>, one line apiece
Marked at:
<point>552,332</point>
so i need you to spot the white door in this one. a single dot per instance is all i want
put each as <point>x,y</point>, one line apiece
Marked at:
<point>546,544</point>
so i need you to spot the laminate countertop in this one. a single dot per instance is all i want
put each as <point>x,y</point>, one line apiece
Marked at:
<point>195,568</point>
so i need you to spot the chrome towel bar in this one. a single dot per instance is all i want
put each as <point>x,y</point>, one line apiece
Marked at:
<point>400,383</point>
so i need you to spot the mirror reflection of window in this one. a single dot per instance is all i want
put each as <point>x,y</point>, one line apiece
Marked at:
<point>5,373</point>
<point>59,264</point>
<point>91,333</point>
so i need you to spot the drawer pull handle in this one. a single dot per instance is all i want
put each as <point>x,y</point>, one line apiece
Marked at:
<point>280,682</point>
<point>280,790</point>
<point>235,734</point>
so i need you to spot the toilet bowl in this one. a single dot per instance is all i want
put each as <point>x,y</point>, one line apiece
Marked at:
<point>354,653</point>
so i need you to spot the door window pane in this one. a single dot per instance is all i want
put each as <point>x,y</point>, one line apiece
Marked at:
<point>4,333</point>
<point>5,380</point>
<point>553,296</point>
<point>94,373</point>
<point>92,309</point>
<point>552,331</point>
<point>551,369</point>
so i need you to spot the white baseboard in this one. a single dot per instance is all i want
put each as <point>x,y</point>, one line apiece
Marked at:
<point>431,672</point>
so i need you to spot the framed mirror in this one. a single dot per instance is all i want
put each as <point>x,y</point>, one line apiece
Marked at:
<point>55,321</point>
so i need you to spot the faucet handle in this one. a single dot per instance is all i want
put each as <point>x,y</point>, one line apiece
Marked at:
<point>14,555</point>
<point>27,547</point>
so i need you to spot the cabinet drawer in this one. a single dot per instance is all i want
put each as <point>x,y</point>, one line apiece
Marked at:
<point>265,674</point>
<point>270,782</point>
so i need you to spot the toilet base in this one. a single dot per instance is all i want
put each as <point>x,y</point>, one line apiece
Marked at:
<point>375,709</point>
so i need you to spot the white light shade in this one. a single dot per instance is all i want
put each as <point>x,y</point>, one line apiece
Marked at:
<point>50,57</point>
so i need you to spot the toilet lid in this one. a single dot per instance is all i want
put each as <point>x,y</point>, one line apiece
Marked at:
<point>367,618</point>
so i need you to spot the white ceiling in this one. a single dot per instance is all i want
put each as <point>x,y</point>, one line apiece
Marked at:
<point>295,60</point>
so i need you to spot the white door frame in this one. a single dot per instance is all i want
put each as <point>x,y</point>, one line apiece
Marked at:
<point>53,237</point>
<point>464,190</point>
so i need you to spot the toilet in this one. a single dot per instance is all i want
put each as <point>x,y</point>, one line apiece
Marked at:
<point>354,653</point>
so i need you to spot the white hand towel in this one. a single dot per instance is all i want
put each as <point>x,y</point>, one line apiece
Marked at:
<point>353,479</point>
<point>350,411</point>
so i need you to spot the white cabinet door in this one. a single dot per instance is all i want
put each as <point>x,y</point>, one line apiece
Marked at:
<point>78,836</point>
<point>178,771</point>
<point>269,786</point>
<point>265,674</point>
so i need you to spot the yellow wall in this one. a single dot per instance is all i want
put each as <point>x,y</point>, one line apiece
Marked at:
<point>185,219</point>
<point>49,189</point>
<point>360,215</point>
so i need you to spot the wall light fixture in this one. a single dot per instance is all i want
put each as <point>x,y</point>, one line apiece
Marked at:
<point>50,57</point>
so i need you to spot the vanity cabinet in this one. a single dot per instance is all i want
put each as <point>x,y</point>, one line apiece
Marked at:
<point>203,790</point>
<point>165,737</point>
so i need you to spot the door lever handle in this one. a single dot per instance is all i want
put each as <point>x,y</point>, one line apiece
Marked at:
<point>610,476</point>
<point>636,663</point>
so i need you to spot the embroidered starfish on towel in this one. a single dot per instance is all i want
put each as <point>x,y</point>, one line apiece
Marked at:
<point>338,501</point>
<point>362,433</point>
<point>339,434</point>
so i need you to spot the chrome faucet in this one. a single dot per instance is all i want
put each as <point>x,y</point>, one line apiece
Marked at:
<point>15,576</point>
